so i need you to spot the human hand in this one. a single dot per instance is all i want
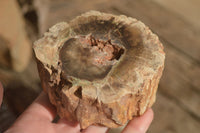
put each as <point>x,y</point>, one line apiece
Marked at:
<point>37,118</point>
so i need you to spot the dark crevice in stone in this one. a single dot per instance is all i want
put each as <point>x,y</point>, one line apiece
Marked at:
<point>78,92</point>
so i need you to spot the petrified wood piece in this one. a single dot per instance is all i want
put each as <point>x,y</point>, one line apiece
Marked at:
<point>100,68</point>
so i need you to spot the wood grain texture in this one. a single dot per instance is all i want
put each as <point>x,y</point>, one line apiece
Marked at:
<point>180,80</point>
<point>170,118</point>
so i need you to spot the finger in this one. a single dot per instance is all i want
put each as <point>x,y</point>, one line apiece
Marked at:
<point>65,125</point>
<point>140,124</point>
<point>64,121</point>
<point>95,129</point>
<point>1,93</point>
<point>40,109</point>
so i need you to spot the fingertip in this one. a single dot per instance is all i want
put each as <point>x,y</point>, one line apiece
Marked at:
<point>96,129</point>
<point>70,126</point>
<point>150,113</point>
<point>140,124</point>
<point>66,122</point>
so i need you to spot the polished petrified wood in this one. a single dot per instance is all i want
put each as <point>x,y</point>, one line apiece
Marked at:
<point>100,68</point>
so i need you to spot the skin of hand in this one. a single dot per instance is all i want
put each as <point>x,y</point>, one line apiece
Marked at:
<point>38,117</point>
<point>1,93</point>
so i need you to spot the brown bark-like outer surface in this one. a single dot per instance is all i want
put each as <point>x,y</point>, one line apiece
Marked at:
<point>129,87</point>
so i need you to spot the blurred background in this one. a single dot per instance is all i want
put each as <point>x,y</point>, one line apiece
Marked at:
<point>176,22</point>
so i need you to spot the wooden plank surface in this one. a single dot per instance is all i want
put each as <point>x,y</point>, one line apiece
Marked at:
<point>188,9</point>
<point>179,78</point>
<point>170,118</point>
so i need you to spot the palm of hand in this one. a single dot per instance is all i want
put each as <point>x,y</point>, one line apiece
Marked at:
<point>38,119</point>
